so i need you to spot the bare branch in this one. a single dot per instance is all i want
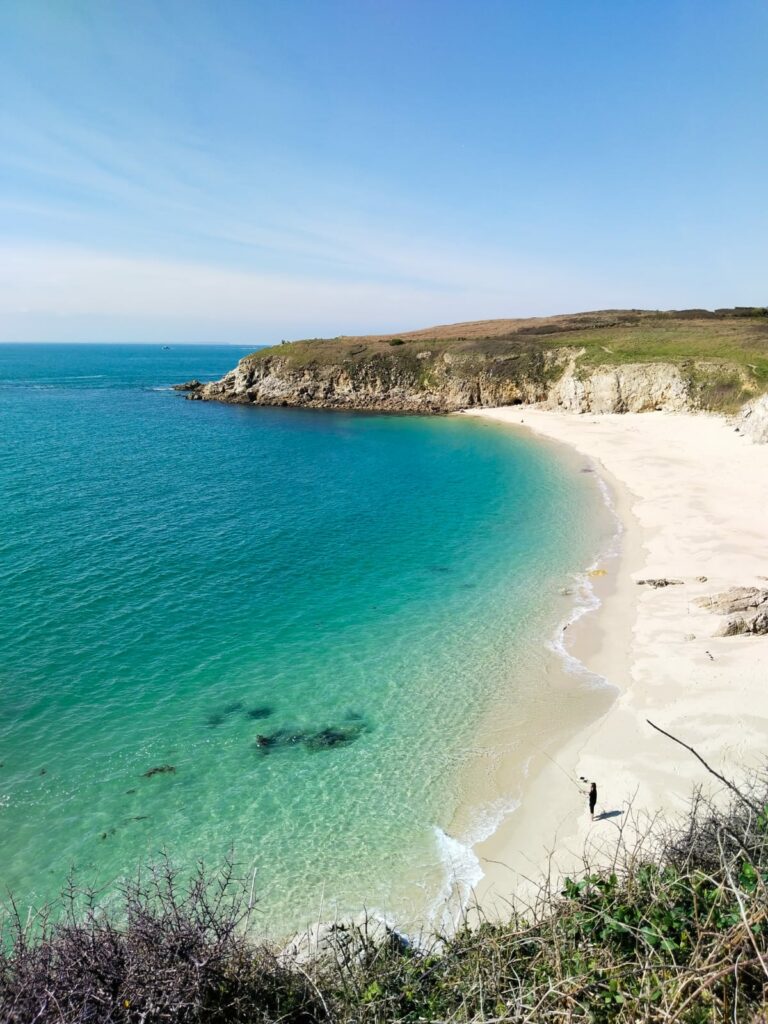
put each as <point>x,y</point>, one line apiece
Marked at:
<point>710,769</point>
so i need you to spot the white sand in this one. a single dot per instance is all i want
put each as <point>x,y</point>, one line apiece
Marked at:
<point>693,496</point>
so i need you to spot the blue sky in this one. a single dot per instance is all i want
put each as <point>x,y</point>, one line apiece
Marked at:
<point>251,170</point>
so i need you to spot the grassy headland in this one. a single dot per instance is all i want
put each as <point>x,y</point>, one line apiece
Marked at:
<point>722,356</point>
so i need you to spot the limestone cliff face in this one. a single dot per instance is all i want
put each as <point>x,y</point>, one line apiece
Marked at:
<point>753,420</point>
<point>424,382</point>
<point>635,387</point>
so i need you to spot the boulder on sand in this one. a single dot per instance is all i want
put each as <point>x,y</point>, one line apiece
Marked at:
<point>746,608</point>
<point>737,599</point>
<point>345,942</point>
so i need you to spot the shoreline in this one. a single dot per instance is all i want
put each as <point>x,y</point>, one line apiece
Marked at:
<point>691,496</point>
<point>505,759</point>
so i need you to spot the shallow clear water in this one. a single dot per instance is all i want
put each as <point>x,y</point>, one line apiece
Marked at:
<point>178,578</point>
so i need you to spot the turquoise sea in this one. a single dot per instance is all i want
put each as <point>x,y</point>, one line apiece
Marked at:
<point>308,616</point>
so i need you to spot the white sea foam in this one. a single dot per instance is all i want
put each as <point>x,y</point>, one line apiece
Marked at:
<point>463,871</point>
<point>587,600</point>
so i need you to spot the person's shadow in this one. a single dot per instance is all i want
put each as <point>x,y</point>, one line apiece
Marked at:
<point>607,814</point>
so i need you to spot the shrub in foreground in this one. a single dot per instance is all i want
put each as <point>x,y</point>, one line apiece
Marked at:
<point>678,934</point>
<point>171,952</point>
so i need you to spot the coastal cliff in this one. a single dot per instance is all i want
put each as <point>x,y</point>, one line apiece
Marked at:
<point>603,362</point>
<point>450,383</point>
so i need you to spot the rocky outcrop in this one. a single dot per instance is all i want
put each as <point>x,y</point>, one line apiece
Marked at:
<point>636,387</point>
<point>345,942</point>
<point>736,599</point>
<point>429,382</point>
<point>746,608</point>
<point>600,361</point>
<point>424,383</point>
<point>753,420</point>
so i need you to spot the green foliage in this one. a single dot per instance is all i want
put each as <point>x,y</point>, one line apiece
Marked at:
<point>676,936</point>
<point>722,386</point>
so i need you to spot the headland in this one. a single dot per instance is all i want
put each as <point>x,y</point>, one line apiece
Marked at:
<point>603,361</point>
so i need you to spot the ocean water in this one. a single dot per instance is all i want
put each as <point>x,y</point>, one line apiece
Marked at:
<point>308,616</point>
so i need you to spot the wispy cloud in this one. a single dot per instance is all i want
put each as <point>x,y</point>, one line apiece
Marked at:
<point>43,287</point>
<point>169,172</point>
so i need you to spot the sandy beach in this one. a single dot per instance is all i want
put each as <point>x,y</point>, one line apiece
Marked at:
<point>692,494</point>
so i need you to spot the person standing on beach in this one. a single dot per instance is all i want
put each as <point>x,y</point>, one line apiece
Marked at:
<point>592,799</point>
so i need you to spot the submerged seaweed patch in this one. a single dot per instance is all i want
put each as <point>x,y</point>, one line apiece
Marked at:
<point>161,769</point>
<point>280,738</point>
<point>260,711</point>
<point>340,736</point>
<point>351,729</point>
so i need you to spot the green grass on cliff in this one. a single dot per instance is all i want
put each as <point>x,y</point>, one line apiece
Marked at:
<point>724,354</point>
<point>675,931</point>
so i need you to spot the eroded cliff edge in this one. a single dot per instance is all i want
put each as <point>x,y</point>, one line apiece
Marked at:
<point>609,361</point>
